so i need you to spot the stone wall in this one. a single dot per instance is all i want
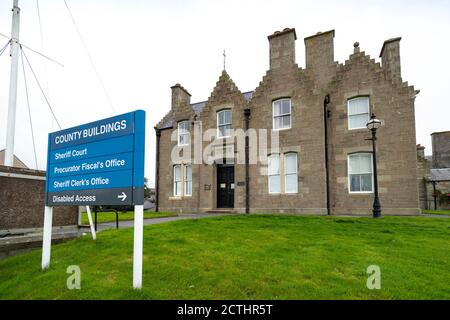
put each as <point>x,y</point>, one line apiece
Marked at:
<point>22,201</point>
<point>423,173</point>
<point>441,149</point>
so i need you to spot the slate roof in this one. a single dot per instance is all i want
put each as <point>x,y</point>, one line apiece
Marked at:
<point>440,174</point>
<point>197,108</point>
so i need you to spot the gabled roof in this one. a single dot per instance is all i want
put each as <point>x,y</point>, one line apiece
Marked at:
<point>197,107</point>
<point>439,175</point>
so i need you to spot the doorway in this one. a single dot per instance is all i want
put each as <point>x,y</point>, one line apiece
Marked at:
<point>225,186</point>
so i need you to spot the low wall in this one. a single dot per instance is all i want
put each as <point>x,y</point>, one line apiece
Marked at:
<point>22,201</point>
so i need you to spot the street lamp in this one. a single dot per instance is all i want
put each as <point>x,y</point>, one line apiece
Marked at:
<point>373,125</point>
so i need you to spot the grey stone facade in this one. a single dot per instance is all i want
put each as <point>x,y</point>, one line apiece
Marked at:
<point>391,99</point>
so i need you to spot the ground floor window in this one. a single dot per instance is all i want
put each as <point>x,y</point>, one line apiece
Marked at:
<point>286,165</point>
<point>360,173</point>
<point>177,180</point>
<point>188,181</point>
<point>182,180</point>
<point>290,173</point>
<point>274,173</point>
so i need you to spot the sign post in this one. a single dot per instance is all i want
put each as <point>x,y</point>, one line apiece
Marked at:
<point>99,163</point>
<point>88,211</point>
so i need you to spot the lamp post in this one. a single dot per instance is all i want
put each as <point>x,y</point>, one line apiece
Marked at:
<point>373,125</point>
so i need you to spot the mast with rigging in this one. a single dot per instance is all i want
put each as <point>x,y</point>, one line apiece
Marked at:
<point>14,53</point>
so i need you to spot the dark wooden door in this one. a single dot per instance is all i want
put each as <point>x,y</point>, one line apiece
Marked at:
<point>225,186</point>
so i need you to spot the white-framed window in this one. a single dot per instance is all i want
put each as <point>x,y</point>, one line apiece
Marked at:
<point>177,180</point>
<point>188,180</point>
<point>183,133</point>
<point>274,173</point>
<point>360,173</point>
<point>290,173</point>
<point>281,112</point>
<point>358,110</point>
<point>224,121</point>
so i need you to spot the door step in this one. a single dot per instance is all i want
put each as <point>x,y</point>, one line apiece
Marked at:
<point>221,211</point>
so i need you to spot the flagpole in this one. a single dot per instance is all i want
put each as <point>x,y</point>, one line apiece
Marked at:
<point>11,123</point>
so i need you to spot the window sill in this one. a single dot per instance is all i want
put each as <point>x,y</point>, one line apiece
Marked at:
<point>284,129</point>
<point>284,194</point>
<point>357,129</point>
<point>360,193</point>
<point>180,197</point>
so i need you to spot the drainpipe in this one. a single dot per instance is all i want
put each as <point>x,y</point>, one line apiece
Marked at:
<point>247,168</point>
<point>326,114</point>
<point>434,195</point>
<point>158,137</point>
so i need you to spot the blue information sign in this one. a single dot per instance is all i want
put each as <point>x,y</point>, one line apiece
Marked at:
<point>99,163</point>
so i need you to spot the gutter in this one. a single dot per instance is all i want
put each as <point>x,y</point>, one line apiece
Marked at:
<point>326,114</point>
<point>247,113</point>
<point>158,137</point>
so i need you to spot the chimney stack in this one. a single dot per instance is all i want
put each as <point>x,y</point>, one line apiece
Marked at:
<point>320,50</point>
<point>441,149</point>
<point>390,57</point>
<point>282,48</point>
<point>180,96</point>
<point>420,151</point>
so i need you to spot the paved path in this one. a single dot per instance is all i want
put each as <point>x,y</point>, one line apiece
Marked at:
<point>130,223</point>
<point>435,216</point>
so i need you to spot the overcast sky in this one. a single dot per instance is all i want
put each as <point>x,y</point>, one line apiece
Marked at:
<point>143,47</point>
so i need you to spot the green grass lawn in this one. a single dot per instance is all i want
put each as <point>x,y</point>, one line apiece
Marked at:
<point>444,212</point>
<point>129,215</point>
<point>247,257</point>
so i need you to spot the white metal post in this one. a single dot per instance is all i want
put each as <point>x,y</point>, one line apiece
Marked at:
<point>138,244</point>
<point>11,123</point>
<point>47,237</point>
<point>88,209</point>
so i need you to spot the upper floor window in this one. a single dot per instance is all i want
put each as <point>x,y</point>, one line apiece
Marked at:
<point>281,110</point>
<point>183,133</point>
<point>290,173</point>
<point>224,124</point>
<point>360,175</point>
<point>358,113</point>
<point>274,173</point>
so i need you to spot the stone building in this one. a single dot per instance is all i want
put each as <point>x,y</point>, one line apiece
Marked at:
<point>434,173</point>
<point>306,150</point>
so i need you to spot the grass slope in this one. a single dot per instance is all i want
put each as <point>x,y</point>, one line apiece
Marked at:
<point>248,257</point>
<point>129,215</point>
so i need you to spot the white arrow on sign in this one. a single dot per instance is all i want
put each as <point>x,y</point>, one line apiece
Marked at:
<point>122,196</point>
